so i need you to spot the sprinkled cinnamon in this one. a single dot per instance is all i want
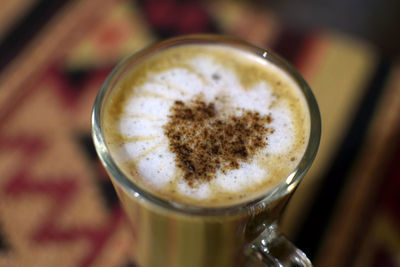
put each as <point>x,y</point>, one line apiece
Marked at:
<point>203,142</point>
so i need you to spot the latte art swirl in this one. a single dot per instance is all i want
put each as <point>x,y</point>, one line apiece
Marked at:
<point>207,125</point>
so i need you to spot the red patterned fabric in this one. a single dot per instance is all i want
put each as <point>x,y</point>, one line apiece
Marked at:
<point>57,206</point>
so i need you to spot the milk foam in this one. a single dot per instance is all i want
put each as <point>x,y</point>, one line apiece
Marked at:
<point>146,113</point>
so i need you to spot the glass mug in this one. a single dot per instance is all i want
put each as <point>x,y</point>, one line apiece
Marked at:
<point>172,234</point>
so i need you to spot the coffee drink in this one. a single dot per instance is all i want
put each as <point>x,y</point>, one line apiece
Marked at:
<point>202,138</point>
<point>207,125</point>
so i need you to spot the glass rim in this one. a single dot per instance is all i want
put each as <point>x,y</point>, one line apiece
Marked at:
<point>286,186</point>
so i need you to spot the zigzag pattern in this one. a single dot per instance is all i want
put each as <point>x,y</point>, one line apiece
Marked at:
<point>69,85</point>
<point>60,192</point>
<point>161,15</point>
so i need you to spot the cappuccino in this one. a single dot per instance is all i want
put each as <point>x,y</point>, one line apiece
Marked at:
<point>206,125</point>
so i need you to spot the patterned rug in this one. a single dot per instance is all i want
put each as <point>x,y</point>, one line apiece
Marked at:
<point>57,206</point>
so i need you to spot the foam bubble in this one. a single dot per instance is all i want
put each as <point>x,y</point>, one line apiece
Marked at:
<point>135,149</point>
<point>215,74</point>
<point>136,126</point>
<point>159,165</point>
<point>150,106</point>
<point>249,174</point>
<point>179,80</point>
<point>258,98</point>
<point>160,88</point>
<point>200,191</point>
<point>282,139</point>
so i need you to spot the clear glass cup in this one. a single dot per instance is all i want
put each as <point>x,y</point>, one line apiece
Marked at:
<point>172,234</point>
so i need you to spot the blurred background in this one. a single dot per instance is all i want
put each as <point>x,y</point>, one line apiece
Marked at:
<point>57,206</point>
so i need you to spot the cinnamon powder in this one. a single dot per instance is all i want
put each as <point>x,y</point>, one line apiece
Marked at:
<point>204,143</point>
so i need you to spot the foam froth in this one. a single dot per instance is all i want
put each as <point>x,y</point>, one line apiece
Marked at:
<point>207,125</point>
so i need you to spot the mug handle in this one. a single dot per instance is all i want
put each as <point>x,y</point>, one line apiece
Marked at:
<point>272,248</point>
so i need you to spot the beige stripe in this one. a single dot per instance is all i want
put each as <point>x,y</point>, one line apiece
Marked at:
<point>364,177</point>
<point>384,232</point>
<point>338,82</point>
<point>11,11</point>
